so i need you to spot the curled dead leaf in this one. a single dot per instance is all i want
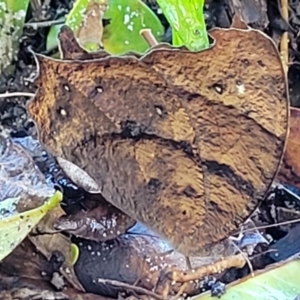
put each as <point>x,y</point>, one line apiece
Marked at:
<point>78,176</point>
<point>55,247</point>
<point>142,261</point>
<point>99,222</point>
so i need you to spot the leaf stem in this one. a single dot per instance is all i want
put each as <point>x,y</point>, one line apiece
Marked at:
<point>149,37</point>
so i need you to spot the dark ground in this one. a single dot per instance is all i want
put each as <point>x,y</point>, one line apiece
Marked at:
<point>13,115</point>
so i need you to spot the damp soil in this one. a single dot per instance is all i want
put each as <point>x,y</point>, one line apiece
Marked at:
<point>15,120</point>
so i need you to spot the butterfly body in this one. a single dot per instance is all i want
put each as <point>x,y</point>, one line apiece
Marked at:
<point>185,142</point>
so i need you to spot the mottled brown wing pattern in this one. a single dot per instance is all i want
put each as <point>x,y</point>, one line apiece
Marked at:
<point>150,180</point>
<point>187,143</point>
<point>239,110</point>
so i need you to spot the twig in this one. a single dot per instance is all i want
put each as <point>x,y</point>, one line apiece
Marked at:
<point>263,253</point>
<point>149,37</point>
<point>188,262</point>
<point>273,225</point>
<point>288,191</point>
<point>36,25</point>
<point>247,260</point>
<point>180,292</point>
<point>137,289</point>
<point>279,223</point>
<point>237,261</point>
<point>17,94</point>
<point>284,50</point>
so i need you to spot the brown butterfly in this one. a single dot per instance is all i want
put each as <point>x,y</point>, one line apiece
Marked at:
<point>185,142</point>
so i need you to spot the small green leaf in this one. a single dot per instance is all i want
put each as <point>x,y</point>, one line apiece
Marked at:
<point>53,36</point>
<point>74,253</point>
<point>277,282</point>
<point>15,228</point>
<point>187,21</point>
<point>127,19</point>
<point>25,196</point>
<point>85,19</point>
<point>76,15</point>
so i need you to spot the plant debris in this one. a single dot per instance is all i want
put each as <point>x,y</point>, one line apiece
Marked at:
<point>43,266</point>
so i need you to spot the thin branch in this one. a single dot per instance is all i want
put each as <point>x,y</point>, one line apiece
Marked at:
<point>149,37</point>
<point>284,42</point>
<point>180,292</point>
<point>129,287</point>
<point>273,225</point>
<point>247,260</point>
<point>16,94</point>
<point>37,25</point>
<point>237,261</point>
<point>288,191</point>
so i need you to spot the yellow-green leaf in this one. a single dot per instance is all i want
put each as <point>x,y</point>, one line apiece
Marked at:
<point>25,196</point>
<point>14,229</point>
<point>278,282</point>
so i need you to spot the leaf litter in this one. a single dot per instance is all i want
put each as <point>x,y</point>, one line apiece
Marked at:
<point>25,198</point>
<point>279,195</point>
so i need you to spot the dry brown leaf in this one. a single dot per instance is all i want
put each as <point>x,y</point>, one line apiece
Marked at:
<point>26,262</point>
<point>100,222</point>
<point>20,179</point>
<point>185,142</point>
<point>50,242</point>
<point>290,170</point>
<point>91,28</point>
<point>30,294</point>
<point>252,11</point>
<point>22,288</point>
<point>141,261</point>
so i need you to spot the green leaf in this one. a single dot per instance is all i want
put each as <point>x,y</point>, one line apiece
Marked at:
<point>52,36</point>
<point>14,229</point>
<point>74,253</point>
<point>127,19</point>
<point>12,18</point>
<point>77,13</point>
<point>85,19</point>
<point>277,282</point>
<point>187,21</point>
<point>25,196</point>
